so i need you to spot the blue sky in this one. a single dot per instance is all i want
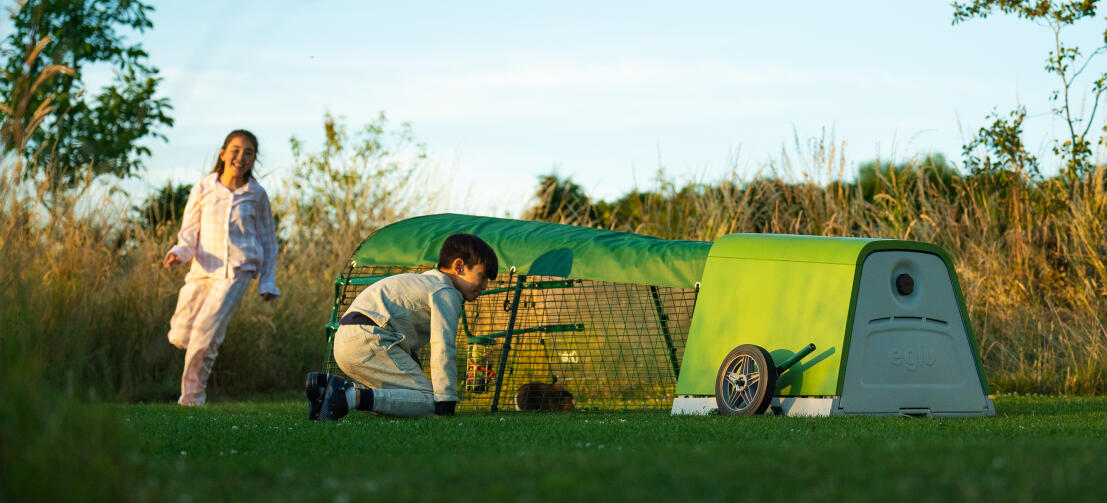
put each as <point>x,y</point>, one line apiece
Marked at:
<point>502,92</point>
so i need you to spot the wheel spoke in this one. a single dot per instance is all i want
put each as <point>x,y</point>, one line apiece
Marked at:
<point>732,400</point>
<point>748,395</point>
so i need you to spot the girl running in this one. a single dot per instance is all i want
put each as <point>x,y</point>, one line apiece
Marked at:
<point>227,232</point>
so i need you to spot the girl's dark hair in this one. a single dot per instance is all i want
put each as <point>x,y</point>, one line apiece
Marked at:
<point>472,251</point>
<point>235,134</point>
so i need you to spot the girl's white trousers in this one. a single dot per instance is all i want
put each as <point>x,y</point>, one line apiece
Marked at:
<point>199,324</point>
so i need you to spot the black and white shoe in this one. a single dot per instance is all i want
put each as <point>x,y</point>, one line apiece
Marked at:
<point>315,388</point>
<point>334,402</point>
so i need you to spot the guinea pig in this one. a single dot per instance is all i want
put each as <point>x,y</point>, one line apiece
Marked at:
<point>543,396</point>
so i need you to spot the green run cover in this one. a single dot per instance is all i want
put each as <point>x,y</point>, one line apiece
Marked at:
<point>543,249</point>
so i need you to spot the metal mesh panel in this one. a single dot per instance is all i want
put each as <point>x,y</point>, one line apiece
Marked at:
<point>611,346</point>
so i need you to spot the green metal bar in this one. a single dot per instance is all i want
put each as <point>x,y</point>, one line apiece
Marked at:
<point>361,280</point>
<point>795,359</point>
<point>340,284</point>
<point>506,349</point>
<point>329,329</point>
<point>332,325</point>
<point>487,339</point>
<point>337,295</point>
<point>663,319</point>
<point>534,285</point>
<point>465,325</point>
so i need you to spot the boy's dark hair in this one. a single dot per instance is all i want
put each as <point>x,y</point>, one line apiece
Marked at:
<point>472,251</point>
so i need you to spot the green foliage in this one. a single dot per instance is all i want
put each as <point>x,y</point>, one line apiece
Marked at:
<point>558,200</point>
<point>875,177</point>
<point>653,211</point>
<point>564,201</point>
<point>629,211</point>
<point>56,447</point>
<point>163,208</point>
<point>998,148</point>
<point>1066,63</point>
<point>355,183</point>
<point>1061,12</point>
<point>81,135</point>
<point>1036,449</point>
<point>54,444</point>
<point>673,211</point>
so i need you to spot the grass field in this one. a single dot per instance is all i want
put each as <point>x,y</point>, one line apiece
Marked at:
<point>1036,447</point>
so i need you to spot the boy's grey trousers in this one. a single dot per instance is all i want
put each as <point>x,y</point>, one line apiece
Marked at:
<point>374,357</point>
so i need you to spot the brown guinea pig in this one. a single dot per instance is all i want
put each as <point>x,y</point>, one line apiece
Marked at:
<point>543,396</point>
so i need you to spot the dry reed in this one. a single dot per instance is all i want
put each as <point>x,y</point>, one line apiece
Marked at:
<point>82,287</point>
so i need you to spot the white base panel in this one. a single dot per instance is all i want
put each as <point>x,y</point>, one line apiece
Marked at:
<point>802,406</point>
<point>787,406</point>
<point>811,407</point>
<point>689,405</point>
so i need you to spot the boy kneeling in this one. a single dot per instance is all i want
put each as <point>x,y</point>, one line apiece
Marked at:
<point>378,339</point>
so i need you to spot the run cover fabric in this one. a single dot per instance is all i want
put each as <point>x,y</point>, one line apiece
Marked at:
<point>543,249</point>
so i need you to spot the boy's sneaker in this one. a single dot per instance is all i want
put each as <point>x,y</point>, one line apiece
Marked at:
<point>334,402</point>
<point>315,388</point>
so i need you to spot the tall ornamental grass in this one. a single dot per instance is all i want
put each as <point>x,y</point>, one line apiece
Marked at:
<point>1030,255</point>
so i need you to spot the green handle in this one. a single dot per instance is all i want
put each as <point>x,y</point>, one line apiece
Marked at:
<point>795,359</point>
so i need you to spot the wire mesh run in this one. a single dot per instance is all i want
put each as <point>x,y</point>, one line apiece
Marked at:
<point>535,342</point>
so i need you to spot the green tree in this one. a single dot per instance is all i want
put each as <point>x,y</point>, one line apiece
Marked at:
<point>82,134</point>
<point>355,183</point>
<point>874,177</point>
<point>1067,63</point>
<point>162,209</point>
<point>561,201</point>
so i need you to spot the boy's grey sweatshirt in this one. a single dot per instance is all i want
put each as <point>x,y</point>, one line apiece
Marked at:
<point>423,308</point>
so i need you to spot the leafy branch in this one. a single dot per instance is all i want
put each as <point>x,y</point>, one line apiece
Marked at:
<point>1061,61</point>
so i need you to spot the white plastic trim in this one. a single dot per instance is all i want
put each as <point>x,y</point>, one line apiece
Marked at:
<point>797,406</point>
<point>693,405</point>
<point>787,406</point>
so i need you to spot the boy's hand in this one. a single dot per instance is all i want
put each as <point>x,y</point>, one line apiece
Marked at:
<point>170,260</point>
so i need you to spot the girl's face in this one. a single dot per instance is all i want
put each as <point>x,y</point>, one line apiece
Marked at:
<point>238,157</point>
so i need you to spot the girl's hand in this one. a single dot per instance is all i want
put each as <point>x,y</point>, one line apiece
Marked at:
<point>171,260</point>
<point>268,297</point>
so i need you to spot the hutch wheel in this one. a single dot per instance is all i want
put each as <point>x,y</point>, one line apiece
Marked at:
<point>746,381</point>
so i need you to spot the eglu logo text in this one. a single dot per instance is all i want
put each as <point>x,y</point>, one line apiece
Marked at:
<point>912,358</point>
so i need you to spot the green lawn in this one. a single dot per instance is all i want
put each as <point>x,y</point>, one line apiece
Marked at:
<point>1037,447</point>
